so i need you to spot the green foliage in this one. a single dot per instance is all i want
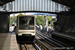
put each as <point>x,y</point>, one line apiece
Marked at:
<point>20,14</point>
<point>50,19</point>
<point>14,18</point>
<point>40,20</point>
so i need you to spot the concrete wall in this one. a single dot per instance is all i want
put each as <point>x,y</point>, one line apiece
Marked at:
<point>4,22</point>
<point>66,22</point>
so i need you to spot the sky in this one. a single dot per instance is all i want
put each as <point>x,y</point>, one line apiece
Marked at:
<point>44,14</point>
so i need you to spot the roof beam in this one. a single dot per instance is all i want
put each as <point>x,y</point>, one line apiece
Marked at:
<point>69,3</point>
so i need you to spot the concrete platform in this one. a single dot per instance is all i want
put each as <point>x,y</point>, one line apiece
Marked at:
<point>8,42</point>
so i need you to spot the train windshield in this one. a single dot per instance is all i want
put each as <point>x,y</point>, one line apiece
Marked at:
<point>26,22</point>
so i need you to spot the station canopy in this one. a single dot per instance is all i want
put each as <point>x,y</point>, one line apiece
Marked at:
<point>33,5</point>
<point>2,2</point>
<point>70,3</point>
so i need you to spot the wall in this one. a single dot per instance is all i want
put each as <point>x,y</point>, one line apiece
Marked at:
<point>66,22</point>
<point>4,22</point>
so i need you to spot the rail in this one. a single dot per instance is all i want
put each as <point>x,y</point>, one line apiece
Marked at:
<point>48,36</point>
<point>52,42</point>
<point>42,45</point>
<point>27,47</point>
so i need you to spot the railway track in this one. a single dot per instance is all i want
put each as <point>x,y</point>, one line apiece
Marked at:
<point>42,43</point>
<point>36,45</point>
<point>48,36</point>
<point>52,42</point>
<point>27,47</point>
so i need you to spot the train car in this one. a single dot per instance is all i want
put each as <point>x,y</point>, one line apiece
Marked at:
<point>26,28</point>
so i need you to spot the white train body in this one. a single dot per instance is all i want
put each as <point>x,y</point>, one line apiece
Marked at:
<point>26,27</point>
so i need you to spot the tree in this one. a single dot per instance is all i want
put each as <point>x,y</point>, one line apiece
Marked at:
<point>14,18</point>
<point>20,14</point>
<point>50,19</point>
<point>40,20</point>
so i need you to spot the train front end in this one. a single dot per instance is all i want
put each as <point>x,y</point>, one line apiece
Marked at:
<point>26,28</point>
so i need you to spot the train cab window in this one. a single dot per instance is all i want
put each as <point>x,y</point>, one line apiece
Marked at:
<point>26,22</point>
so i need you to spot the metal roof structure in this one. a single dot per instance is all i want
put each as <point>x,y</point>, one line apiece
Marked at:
<point>70,3</point>
<point>51,6</point>
<point>2,2</point>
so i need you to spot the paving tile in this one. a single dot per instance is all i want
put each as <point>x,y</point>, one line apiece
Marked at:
<point>8,41</point>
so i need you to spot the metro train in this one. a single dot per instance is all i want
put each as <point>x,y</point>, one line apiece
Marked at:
<point>26,28</point>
